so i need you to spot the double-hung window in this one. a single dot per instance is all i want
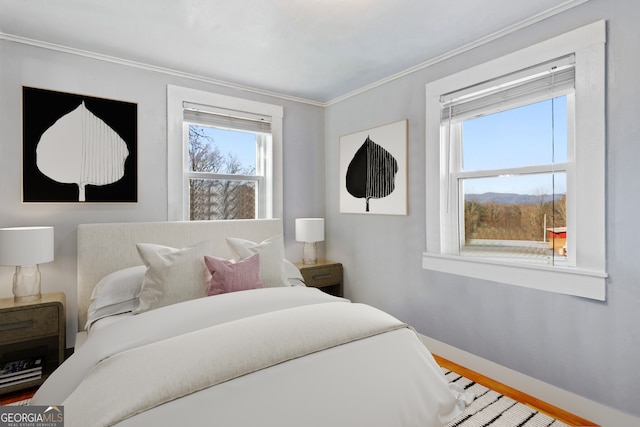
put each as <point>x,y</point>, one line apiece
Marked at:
<point>224,157</point>
<point>515,168</point>
<point>509,153</point>
<point>227,162</point>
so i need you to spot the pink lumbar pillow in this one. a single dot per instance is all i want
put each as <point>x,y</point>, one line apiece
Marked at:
<point>227,276</point>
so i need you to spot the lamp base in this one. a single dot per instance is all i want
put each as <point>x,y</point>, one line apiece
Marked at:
<point>26,283</point>
<point>309,252</point>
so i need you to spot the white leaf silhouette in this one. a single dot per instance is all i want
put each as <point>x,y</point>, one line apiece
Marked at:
<point>81,149</point>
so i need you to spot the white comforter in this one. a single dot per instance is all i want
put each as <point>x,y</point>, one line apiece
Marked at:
<point>385,378</point>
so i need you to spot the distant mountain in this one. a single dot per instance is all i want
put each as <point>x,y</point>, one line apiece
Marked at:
<point>512,198</point>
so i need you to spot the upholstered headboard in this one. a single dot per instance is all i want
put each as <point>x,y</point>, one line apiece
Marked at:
<point>105,248</point>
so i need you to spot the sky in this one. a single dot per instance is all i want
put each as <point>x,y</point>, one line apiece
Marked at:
<point>494,134</point>
<point>242,144</point>
<point>513,138</point>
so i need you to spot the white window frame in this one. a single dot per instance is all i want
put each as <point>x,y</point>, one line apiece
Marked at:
<point>585,194</point>
<point>178,174</point>
<point>531,86</point>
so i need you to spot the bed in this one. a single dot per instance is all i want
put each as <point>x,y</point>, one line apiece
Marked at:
<point>235,339</point>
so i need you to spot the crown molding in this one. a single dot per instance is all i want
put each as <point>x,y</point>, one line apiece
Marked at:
<point>569,4</point>
<point>153,68</point>
<point>447,55</point>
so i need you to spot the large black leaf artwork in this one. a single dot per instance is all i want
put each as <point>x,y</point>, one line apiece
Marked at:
<point>78,148</point>
<point>371,173</point>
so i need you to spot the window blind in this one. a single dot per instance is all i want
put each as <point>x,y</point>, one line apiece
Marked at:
<point>225,118</point>
<point>540,82</point>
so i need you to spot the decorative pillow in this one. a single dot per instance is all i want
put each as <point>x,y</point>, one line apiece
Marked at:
<point>271,258</point>
<point>227,276</point>
<point>173,275</point>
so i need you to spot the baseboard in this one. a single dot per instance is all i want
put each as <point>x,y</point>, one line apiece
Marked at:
<point>585,408</point>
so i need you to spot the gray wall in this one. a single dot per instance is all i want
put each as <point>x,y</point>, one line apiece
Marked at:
<point>22,64</point>
<point>583,346</point>
<point>587,347</point>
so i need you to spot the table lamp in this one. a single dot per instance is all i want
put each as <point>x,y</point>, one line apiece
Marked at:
<point>25,248</point>
<point>309,231</point>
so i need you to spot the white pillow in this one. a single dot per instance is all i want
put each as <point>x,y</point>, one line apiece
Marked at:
<point>172,275</point>
<point>116,293</point>
<point>294,277</point>
<point>119,286</point>
<point>95,314</point>
<point>271,252</point>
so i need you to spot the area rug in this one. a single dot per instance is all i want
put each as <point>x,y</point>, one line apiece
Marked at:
<point>491,408</point>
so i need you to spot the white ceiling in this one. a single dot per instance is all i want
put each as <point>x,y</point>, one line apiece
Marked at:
<point>316,50</point>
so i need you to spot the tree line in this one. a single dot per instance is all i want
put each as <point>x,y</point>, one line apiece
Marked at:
<point>217,199</point>
<point>496,221</point>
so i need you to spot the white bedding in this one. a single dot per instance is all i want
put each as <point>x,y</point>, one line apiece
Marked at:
<point>106,321</point>
<point>389,379</point>
<point>116,295</point>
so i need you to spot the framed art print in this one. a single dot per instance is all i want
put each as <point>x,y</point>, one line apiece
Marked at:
<point>373,170</point>
<point>78,148</point>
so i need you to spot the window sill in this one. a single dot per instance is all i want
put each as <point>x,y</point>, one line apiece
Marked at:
<point>562,280</point>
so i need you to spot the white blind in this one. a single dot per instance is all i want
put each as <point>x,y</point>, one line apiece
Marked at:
<point>544,81</point>
<point>225,118</point>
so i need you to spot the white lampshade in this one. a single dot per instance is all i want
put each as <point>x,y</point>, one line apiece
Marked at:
<point>26,245</point>
<point>310,229</point>
<point>25,248</point>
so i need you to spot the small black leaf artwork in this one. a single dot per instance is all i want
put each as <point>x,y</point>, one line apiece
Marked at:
<point>371,173</point>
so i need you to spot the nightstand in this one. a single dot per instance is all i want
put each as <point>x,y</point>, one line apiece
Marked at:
<point>324,275</point>
<point>29,331</point>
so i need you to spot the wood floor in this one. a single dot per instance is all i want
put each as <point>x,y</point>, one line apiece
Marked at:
<point>537,404</point>
<point>17,396</point>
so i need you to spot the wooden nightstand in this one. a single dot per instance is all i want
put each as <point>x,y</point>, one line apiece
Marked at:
<point>325,275</point>
<point>34,329</point>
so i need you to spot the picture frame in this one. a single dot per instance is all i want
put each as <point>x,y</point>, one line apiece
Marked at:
<point>78,148</point>
<point>373,170</point>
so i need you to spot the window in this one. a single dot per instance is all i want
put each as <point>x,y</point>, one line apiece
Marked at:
<point>508,166</point>
<point>227,162</point>
<point>224,157</point>
<point>515,150</point>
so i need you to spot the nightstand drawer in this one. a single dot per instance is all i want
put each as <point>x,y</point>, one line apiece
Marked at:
<point>322,276</point>
<point>17,325</point>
